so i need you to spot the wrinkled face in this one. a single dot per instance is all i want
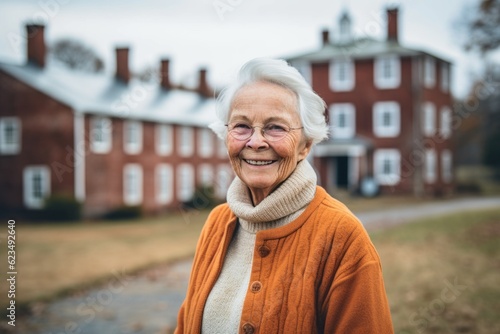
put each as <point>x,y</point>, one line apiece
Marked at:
<point>260,163</point>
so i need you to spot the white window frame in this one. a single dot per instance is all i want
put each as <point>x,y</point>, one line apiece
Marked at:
<point>382,81</point>
<point>446,166</point>
<point>102,127</point>
<point>164,180</point>
<point>348,81</point>
<point>348,112</point>
<point>205,142</point>
<point>380,109</point>
<point>30,200</point>
<point>10,144</point>
<point>206,175</point>
<point>383,158</point>
<point>429,72</point>
<point>132,184</point>
<point>164,138</point>
<point>445,77</point>
<point>224,178</point>
<point>132,137</point>
<point>445,122</point>
<point>430,166</point>
<point>429,119</point>
<point>185,182</point>
<point>185,139</point>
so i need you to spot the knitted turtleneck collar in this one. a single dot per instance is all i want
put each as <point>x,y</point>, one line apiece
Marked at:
<point>291,196</point>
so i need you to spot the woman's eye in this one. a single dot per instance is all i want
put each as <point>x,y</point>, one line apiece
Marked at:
<point>275,128</point>
<point>241,126</point>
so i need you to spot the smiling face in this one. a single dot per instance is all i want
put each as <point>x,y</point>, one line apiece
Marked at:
<point>262,164</point>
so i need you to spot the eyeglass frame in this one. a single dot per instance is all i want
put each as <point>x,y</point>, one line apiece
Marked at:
<point>262,131</point>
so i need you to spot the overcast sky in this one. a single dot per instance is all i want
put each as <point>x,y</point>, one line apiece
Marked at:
<point>223,34</point>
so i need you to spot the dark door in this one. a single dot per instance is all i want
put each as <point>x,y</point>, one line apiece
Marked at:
<point>342,172</point>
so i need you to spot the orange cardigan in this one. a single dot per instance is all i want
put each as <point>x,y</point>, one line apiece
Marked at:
<point>318,274</point>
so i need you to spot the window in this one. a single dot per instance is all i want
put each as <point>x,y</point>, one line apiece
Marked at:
<point>445,77</point>
<point>446,166</point>
<point>224,178</point>
<point>205,142</point>
<point>342,120</point>
<point>10,135</point>
<point>36,184</point>
<point>387,166</point>
<point>221,149</point>
<point>430,166</point>
<point>387,72</point>
<point>206,175</point>
<point>185,182</point>
<point>445,122</point>
<point>429,72</point>
<point>185,141</point>
<point>429,119</point>
<point>386,119</point>
<point>132,137</point>
<point>342,75</point>
<point>164,139</point>
<point>132,184</point>
<point>164,184</point>
<point>100,134</point>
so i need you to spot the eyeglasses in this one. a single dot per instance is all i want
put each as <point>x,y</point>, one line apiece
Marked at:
<point>271,131</point>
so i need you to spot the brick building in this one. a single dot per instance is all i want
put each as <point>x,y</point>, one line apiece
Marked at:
<point>390,111</point>
<point>106,141</point>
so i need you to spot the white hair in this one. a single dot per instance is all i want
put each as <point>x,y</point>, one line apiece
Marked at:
<point>311,107</point>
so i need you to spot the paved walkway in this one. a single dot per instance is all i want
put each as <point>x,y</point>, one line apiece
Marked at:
<point>148,303</point>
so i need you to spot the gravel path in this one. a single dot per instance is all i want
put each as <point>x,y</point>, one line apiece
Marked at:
<point>148,303</point>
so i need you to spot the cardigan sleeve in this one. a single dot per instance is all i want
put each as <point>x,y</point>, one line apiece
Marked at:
<point>356,300</point>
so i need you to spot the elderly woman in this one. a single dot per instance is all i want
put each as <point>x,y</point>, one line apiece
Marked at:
<point>281,256</point>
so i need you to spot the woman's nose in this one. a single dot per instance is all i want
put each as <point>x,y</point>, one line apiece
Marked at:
<point>257,140</point>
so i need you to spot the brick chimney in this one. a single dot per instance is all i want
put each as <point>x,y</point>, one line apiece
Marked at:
<point>164,74</point>
<point>392,24</point>
<point>36,44</point>
<point>325,36</point>
<point>203,87</point>
<point>122,69</point>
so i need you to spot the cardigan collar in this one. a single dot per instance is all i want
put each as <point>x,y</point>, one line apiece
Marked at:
<point>281,206</point>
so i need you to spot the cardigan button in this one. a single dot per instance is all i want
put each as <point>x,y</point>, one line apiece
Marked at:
<point>248,328</point>
<point>264,251</point>
<point>256,286</point>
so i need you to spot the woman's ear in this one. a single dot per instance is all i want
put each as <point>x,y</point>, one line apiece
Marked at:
<point>304,152</point>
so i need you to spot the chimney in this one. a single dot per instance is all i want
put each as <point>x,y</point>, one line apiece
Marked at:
<point>36,44</point>
<point>164,74</point>
<point>392,24</point>
<point>325,37</point>
<point>203,88</point>
<point>122,70</point>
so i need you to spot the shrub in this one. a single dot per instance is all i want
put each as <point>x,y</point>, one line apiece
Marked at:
<point>124,212</point>
<point>61,208</point>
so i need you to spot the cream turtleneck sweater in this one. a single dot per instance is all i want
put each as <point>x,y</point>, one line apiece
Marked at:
<point>223,308</point>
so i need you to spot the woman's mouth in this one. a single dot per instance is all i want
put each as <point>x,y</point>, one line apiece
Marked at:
<point>259,162</point>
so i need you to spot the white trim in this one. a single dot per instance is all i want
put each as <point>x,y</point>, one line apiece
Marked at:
<point>342,120</point>
<point>185,182</point>
<point>342,75</point>
<point>164,139</point>
<point>30,200</point>
<point>79,148</point>
<point>101,127</point>
<point>387,166</point>
<point>205,142</point>
<point>380,109</point>
<point>185,140</point>
<point>132,184</point>
<point>132,137</point>
<point>387,72</point>
<point>164,180</point>
<point>15,146</point>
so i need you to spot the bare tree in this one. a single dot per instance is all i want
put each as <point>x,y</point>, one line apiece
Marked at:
<point>76,56</point>
<point>483,27</point>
